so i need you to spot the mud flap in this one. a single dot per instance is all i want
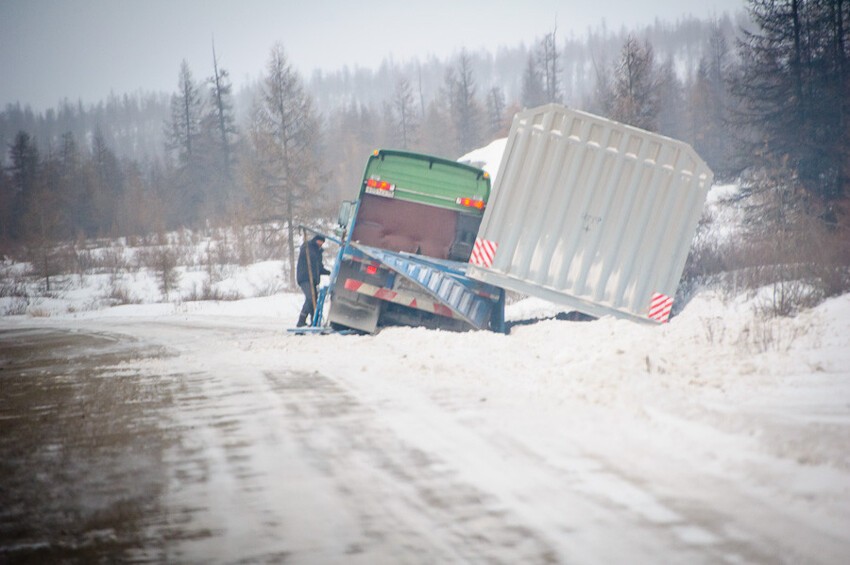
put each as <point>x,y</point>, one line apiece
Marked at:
<point>354,310</point>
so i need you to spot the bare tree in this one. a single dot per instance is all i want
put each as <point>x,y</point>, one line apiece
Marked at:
<point>464,107</point>
<point>635,92</point>
<point>437,132</point>
<point>285,130</point>
<point>44,221</point>
<point>404,114</point>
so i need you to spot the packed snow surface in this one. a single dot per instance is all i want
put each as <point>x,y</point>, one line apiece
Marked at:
<point>720,436</point>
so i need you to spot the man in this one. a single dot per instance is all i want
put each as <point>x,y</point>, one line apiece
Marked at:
<point>309,271</point>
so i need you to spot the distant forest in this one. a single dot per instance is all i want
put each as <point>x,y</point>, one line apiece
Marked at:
<point>762,94</point>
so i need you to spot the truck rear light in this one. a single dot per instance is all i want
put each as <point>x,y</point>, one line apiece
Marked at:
<point>371,269</point>
<point>380,185</point>
<point>470,203</point>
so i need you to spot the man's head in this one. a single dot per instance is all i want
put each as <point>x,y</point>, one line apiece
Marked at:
<point>318,240</point>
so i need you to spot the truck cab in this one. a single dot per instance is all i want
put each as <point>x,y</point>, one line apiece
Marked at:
<point>412,209</point>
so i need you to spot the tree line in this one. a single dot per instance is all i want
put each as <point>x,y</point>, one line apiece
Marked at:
<point>772,91</point>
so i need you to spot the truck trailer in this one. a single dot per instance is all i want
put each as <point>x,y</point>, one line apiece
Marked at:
<point>586,212</point>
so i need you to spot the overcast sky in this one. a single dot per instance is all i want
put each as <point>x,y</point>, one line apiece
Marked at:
<point>85,49</point>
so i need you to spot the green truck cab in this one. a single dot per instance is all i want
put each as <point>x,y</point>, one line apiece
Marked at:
<point>414,206</point>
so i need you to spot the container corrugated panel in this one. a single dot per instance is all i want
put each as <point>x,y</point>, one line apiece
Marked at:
<point>591,213</point>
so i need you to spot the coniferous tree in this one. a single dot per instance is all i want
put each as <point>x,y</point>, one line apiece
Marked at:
<point>24,173</point>
<point>220,123</point>
<point>635,88</point>
<point>700,112</point>
<point>496,112</point>
<point>464,108</point>
<point>602,99</point>
<point>437,132</point>
<point>184,131</point>
<point>74,189</point>
<point>222,114</point>
<point>671,102</point>
<point>550,68</point>
<point>285,137</point>
<point>45,220</point>
<point>184,139</point>
<point>107,185</point>
<point>794,91</point>
<point>355,140</point>
<point>709,106</point>
<point>6,201</point>
<point>532,85</point>
<point>403,112</point>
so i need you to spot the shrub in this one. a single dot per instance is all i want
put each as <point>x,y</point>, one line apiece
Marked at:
<point>209,292</point>
<point>162,260</point>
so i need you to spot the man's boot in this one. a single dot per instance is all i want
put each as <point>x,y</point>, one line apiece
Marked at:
<point>302,321</point>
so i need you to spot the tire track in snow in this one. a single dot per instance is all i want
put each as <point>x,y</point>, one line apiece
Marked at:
<point>410,505</point>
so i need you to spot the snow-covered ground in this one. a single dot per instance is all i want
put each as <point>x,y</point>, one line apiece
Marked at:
<point>721,436</point>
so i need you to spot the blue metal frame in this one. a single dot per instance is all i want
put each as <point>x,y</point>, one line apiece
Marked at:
<point>470,300</point>
<point>326,292</point>
<point>453,269</point>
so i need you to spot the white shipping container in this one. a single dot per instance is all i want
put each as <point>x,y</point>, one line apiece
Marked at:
<point>592,214</point>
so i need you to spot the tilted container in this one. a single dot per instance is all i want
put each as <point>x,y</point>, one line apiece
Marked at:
<point>592,214</point>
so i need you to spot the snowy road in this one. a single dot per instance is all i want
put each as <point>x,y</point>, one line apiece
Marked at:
<point>210,440</point>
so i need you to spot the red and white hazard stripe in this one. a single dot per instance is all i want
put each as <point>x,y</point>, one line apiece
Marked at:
<point>660,307</point>
<point>483,252</point>
<point>404,298</point>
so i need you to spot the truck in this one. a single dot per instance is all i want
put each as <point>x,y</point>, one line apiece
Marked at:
<point>585,212</point>
<point>406,244</point>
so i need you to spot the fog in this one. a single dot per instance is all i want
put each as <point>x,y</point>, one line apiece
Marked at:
<point>84,50</point>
